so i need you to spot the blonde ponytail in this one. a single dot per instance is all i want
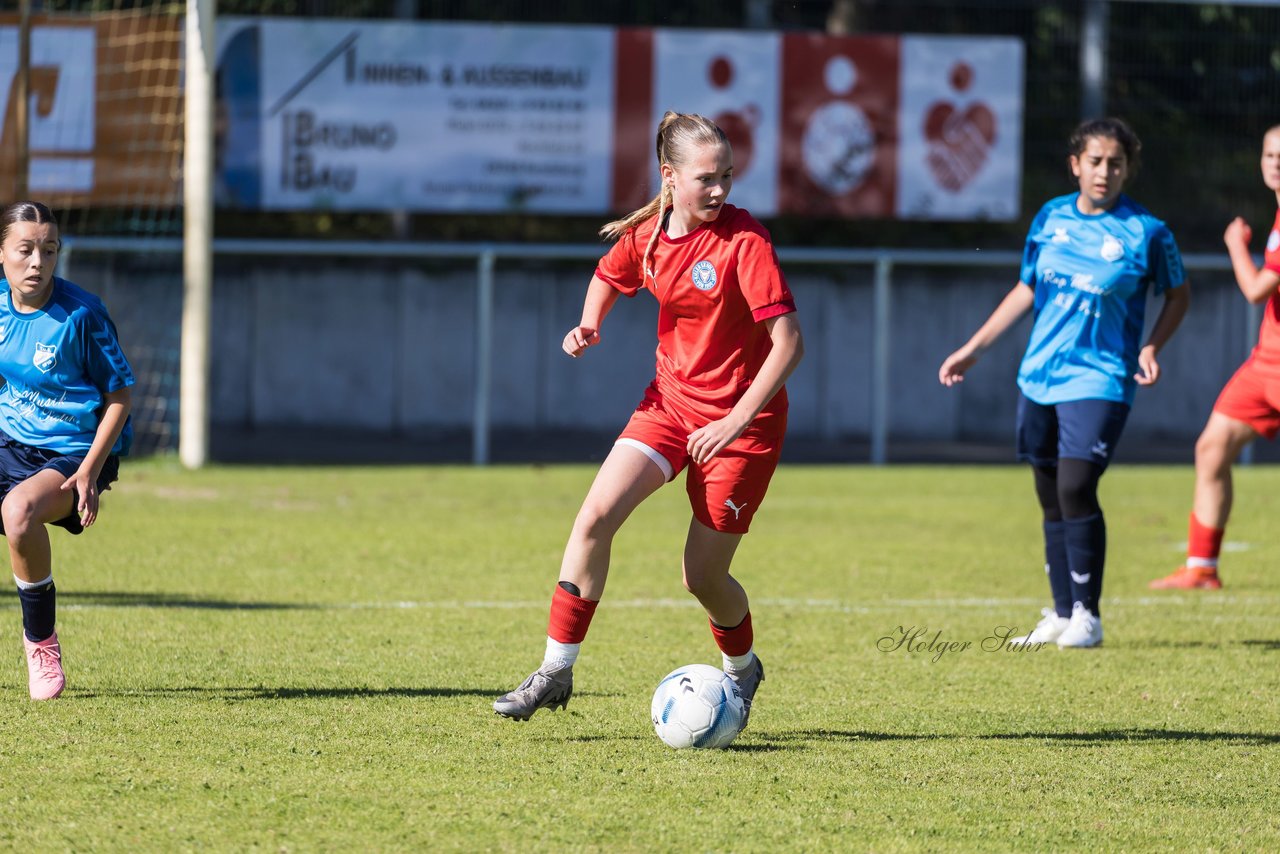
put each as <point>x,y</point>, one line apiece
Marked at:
<point>678,134</point>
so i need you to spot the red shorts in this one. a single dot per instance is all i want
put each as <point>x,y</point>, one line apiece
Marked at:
<point>1252,395</point>
<point>725,491</point>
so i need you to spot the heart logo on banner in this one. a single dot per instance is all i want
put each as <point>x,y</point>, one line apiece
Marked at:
<point>958,143</point>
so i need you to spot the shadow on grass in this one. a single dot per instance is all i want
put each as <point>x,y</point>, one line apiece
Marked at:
<point>265,693</point>
<point>1168,644</point>
<point>1270,645</point>
<point>122,599</point>
<point>1104,736</point>
<point>735,747</point>
<point>767,747</point>
<point>848,735</point>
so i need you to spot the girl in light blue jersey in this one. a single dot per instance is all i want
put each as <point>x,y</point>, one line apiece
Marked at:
<point>1090,260</point>
<point>64,420</point>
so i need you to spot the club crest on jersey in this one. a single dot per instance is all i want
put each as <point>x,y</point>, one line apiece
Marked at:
<point>1273,240</point>
<point>1111,249</point>
<point>45,357</point>
<point>703,275</point>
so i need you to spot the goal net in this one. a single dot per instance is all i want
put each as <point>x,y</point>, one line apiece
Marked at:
<point>104,151</point>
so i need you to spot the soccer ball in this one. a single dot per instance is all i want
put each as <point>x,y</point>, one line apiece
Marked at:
<point>697,706</point>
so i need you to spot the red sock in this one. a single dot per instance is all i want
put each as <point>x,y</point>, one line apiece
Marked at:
<point>570,616</point>
<point>1202,542</point>
<point>734,641</point>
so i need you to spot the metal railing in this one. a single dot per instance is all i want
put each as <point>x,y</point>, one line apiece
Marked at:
<point>882,261</point>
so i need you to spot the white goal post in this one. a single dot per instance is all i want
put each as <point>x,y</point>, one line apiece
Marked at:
<point>197,253</point>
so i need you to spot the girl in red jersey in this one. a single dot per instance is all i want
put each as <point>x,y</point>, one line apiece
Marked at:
<point>728,338</point>
<point>1249,405</point>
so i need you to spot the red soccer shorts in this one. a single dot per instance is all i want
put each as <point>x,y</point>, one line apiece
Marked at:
<point>1252,395</point>
<point>725,491</point>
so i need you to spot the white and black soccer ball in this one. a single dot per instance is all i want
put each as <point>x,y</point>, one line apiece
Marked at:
<point>697,706</point>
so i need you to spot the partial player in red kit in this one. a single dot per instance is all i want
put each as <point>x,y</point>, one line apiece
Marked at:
<point>728,338</point>
<point>1249,405</point>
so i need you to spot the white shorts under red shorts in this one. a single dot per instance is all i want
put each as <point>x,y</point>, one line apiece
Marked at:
<point>1252,395</point>
<point>725,491</point>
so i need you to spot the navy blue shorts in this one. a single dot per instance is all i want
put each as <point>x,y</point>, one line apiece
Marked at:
<point>18,462</point>
<point>1075,430</point>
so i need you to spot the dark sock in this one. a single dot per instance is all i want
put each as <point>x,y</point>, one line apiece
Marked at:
<point>1086,557</point>
<point>1055,559</point>
<point>39,609</point>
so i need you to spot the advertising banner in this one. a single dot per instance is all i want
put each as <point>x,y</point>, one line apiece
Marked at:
<point>105,110</point>
<point>497,118</point>
<point>960,143</point>
<point>445,117</point>
<point>731,78</point>
<point>840,124</point>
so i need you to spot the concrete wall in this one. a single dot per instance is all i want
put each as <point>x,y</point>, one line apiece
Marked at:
<point>389,347</point>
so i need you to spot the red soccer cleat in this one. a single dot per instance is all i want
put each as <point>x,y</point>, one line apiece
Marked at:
<point>1189,578</point>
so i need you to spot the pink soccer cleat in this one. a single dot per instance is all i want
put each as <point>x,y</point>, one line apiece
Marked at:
<point>45,678</point>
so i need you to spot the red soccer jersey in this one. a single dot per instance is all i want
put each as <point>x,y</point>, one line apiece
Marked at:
<point>1268,350</point>
<point>714,286</point>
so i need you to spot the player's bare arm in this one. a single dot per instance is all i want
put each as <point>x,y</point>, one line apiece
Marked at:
<point>1257,285</point>
<point>115,412</point>
<point>1010,310</point>
<point>1176,302</point>
<point>600,299</point>
<point>788,350</point>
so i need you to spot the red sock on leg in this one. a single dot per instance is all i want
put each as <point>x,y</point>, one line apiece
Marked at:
<point>1203,542</point>
<point>734,641</point>
<point>570,616</point>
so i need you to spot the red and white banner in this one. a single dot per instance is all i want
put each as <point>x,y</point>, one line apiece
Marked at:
<point>840,124</point>
<point>492,118</point>
<point>960,144</point>
<point>731,78</point>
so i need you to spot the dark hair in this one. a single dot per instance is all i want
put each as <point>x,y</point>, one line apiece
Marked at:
<point>24,212</point>
<point>1109,128</point>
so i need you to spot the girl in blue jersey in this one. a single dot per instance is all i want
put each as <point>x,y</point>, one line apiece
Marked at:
<point>1090,259</point>
<point>64,420</point>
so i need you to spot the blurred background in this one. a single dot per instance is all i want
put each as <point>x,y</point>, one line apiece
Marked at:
<point>405,197</point>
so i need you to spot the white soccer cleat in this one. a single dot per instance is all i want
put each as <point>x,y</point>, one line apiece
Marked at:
<point>1048,630</point>
<point>544,689</point>
<point>1085,630</point>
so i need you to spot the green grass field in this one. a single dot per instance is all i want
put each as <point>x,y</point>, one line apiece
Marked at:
<point>304,659</point>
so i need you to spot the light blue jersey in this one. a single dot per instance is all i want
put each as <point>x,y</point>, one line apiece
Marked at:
<point>57,363</point>
<point>1091,275</point>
